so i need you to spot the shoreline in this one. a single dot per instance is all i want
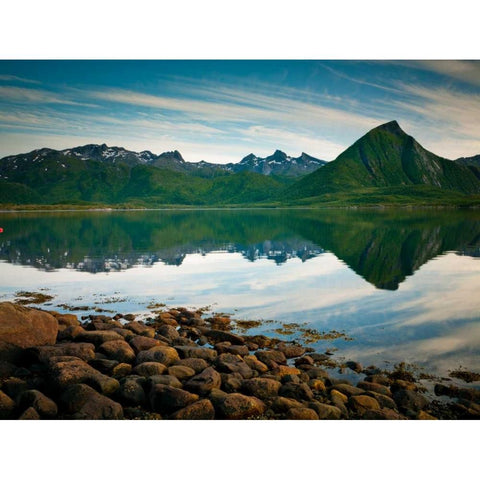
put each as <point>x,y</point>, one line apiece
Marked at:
<point>190,364</point>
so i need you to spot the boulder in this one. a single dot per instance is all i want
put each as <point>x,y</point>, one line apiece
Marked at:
<point>147,369</point>
<point>168,332</point>
<point>222,336</point>
<point>271,357</point>
<point>361,403</point>
<point>104,365</point>
<point>140,328</point>
<point>197,364</point>
<point>84,351</point>
<point>348,390</point>
<point>118,350</point>
<point>355,366</point>
<point>70,370</point>
<point>24,327</point>
<point>82,402</point>
<point>7,406</point>
<point>29,414</point>
<point>122,370</point>
<point>235,406</point>
<point>284,404</point>
<point>408,400</point>
<point>182,372</point>
<point>207,354</point>
<point>97,337</point>
<point>201,410</point>
<point>263,388</point>
<point>204,382</point>
<point>166,399</point>
<point>302,414</point>
<point>291,350</point>
<point>69,333</point>
<point>375,387</point>
<point>254,363</point>
<point>140,343</point>
<point>231,382</point>
<point>66,319</point>
<point>161,354</point>
<point>298,391</point>
<point>229,363</point>
<point>169,380</point>
<point>45,406</point>
<point>324,411</point>
<point>131,392</point>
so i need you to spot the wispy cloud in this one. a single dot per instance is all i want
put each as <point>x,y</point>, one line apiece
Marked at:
<point>463,70</point>
<point>35,96</point>
<point>14,78</point>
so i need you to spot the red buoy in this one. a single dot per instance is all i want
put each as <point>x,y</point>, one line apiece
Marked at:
<point>1,230</point>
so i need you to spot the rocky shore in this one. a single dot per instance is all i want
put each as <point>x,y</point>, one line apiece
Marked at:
<point>186,365</point>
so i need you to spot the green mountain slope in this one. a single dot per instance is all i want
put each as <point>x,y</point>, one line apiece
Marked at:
<point>385,157</point>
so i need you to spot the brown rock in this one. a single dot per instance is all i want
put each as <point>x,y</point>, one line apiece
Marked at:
<point>292,350</point>
<point>222,336</point>
<point>302,414</point>
<point>299,391</point>
<point>26,327</point>
<point>161,354</point>
<point>305,360</point>
<point>271,357</point>
<point>7,406</point>
<point>67,319</point>
<point>166,399</point>
<point>69,333</point>
<point>375,387</point>
<point>284,404</point>
<point>383,400</point>
<point>67,372</point>
<point>147,369</point>
<point>255,364</point>
<point>228,363</point>
<point>317,372</point>
<point>84,351</point>
<point>207,354</point>
<point>197,364</point>
<point>201,410</point>
<point>348,390</point>
<point>317,385</point>
<point>98,337</point>
<point>231,382</point>
<point>408,400</point>
<point>45,406</point>
<point>82,402</point>
<point>121,370</point>
<point>118,350</point>
<point>131,391</point>
<point>263,388</point>
<point>140,329</point>
<point>325,412</point>
<point>182,372</point>
<point>168,332</point>
<point>362,403</point>
<point>425,416</point>
<point>283,370</point>
<point>169,380</point>
<point>140,343</point>
<point>204,382</point>
<point>377,378</point>
<point>235,406</point>
<point>29,414</point>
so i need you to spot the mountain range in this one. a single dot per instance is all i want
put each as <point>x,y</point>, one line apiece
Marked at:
<point>384,166</point>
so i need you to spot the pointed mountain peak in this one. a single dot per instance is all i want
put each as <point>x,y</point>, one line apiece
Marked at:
<point>248,158</point>
<point>279,154</point>
<point>176,155</point>
<point>391,127</point>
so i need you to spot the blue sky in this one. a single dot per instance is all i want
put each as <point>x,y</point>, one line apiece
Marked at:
<point>220,111</point>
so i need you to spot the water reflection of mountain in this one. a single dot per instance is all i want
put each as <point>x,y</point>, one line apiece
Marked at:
<point>384,247</point>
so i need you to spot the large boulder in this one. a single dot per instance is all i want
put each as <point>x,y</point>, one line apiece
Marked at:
<point>235,406</point>
<point>84,351</point>
<point>7,406</point>
<point>22,327</point>
<point>45,406</point>
<point>263,388</point>
<point>204,382</point>
<point>166,399</point>
<point>118,350</point>
<point>165,355</point>
<point>65,371</point>
<point>201,410</point>
<point>82,402</point>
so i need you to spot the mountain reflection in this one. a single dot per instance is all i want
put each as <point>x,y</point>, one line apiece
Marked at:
<point>384,247</point>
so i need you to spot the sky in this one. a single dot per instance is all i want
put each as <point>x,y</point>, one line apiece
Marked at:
<point>220,111</point>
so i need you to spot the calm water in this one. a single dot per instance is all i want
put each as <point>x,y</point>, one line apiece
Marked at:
<point>404,285</point>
